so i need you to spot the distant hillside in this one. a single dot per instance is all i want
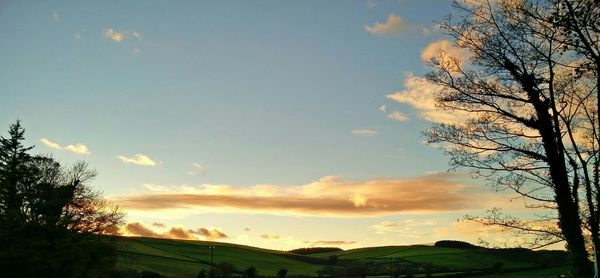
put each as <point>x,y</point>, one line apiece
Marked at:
<point>184,258</point>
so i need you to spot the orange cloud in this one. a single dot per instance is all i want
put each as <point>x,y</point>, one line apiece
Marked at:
<point>139,229</point>
<point>213,234</point>
<point>327,196</point>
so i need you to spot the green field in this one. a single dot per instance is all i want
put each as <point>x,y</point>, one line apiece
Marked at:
<point>183,258</point>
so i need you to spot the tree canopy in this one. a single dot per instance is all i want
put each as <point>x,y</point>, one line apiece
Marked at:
<point>527,98</point>
<point>50,216</point>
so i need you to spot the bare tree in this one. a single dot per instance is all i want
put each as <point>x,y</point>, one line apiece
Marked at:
<point>529,96</point>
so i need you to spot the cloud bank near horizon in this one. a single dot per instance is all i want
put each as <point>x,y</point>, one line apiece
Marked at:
<point>328,196</point>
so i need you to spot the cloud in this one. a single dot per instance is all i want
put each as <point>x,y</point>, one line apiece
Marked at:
<point>408,228</point>
<point>365,132</point>
<point>209,234</point>
<point>78,149</point>
<point>74,148</point>
<point>139,229</point>
<point>444,50</point>
<point>394,26</point>
<point>159,225</point>
<point>50,144</point>
<point>421,94</point>
<point>328,243</point>
<point>371,3</point>
<point>270,237</point>
<point>397,116</point>
<point>197,169</point>
<point>383,109</point>
<point>119,36</point>
<point>138,159</point>
<point>55,17</point>
<point>426,31</point>
<point>77,35</point>
<point>328,196</point>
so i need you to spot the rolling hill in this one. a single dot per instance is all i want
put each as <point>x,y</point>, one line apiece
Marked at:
<point>185,258</point>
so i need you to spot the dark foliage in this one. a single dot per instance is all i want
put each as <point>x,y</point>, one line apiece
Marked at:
<point>50,218</point>
<point>315,250</point>
<point>455,244</point>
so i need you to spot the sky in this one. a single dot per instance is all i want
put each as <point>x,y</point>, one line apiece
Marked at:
<point>279,124</point>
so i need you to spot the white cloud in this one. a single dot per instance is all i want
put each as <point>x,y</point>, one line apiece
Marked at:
<point>364,132</point>
<point>50,144</point>
<point>138,159</point>
<point>78,149</point>
<point>371,3</point>
<point>383,109</point>
<point>74,148</point>
<point>444,50</point>
<point>117,37</point>
<point>394,26</point>
<point>421,94</point>
<point>77,35</point>
<point>397,116</point>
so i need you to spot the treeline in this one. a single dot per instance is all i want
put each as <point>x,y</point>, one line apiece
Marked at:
<point>50,217</point>
<point>314,250</point>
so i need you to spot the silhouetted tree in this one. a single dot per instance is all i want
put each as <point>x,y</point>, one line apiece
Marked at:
<point>201,274</point>
<point>50,216</point>
<point>529,102</point>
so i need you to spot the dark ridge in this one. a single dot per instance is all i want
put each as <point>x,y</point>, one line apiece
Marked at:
<point>456,244</point>
<point>315,250</point>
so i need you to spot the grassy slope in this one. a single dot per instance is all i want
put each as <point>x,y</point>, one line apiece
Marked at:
<point>439,256</point>
<point>179,258</point>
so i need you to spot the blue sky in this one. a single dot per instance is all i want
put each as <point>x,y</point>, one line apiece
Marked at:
<point>235,94</point>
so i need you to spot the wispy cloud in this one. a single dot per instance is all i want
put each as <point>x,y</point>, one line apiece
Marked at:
<point>397,116</point>
<point>270,237</point>
<point>74,148</point>
<point>365,132</point>
<point>327,243</point>
<point>138,159</point>
<point>119,36</point>
<point>197,168</point>
<point>393,27</point>
<point>55,16</point>
<point>383,109</point>
<point>409,228</point>
<point>139,229</point>
<point>50,144</point>
<point>327,196</point>
<point>371,3</point>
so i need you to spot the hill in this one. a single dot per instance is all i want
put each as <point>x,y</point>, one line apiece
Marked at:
<point>185,258</point>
